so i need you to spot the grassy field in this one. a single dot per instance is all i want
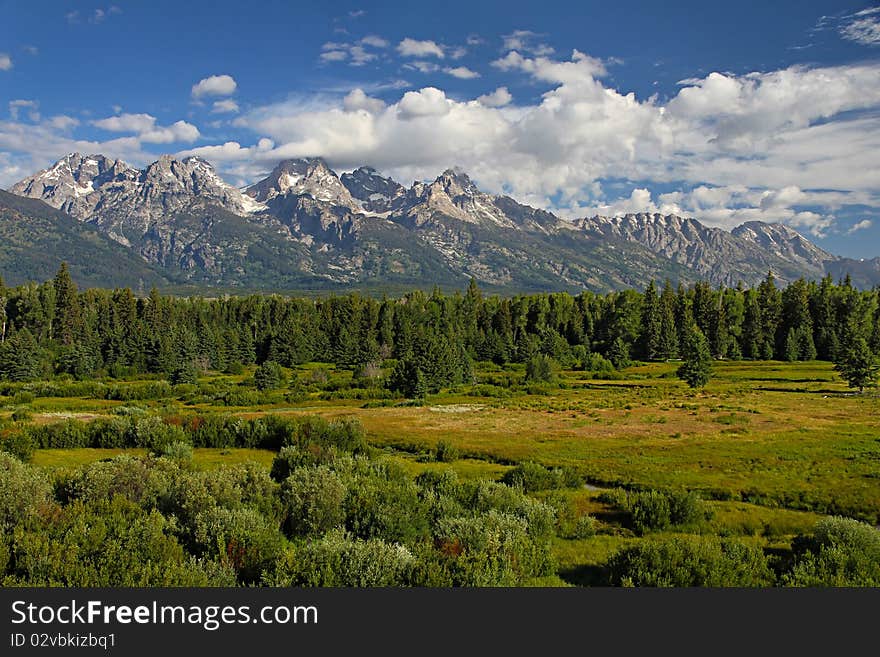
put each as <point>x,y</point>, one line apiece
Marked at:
<point>773,446</point>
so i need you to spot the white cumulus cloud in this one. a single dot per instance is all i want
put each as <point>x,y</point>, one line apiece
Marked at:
<point>215,85</point>
<point>358,100</point>
<point>414,48</point>
<point>227,106</point>
<point>498,98</point>
<point>144,125</point>
<point>461,72</point>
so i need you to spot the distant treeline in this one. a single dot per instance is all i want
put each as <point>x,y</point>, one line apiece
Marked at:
<point>53,328</point>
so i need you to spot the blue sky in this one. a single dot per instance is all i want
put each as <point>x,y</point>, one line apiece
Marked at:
<point>723,111</point>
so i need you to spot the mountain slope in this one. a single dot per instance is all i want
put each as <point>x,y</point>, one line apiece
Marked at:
<point>36,238</point>
<point>304,226</point>
<point>713,254</point>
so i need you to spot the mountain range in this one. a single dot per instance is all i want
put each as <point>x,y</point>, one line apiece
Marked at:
<point>177,224</point>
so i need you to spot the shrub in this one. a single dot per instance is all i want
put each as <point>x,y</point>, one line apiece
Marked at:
<point>268,376</point>
<point>650,510</point>
<point>18,443</point>
<point>840,552</point>
<point>341,560</point>
<point>542,369</point>
<point>491,549</point>
<point>445,452</point>
<point>179,452</point>
<point>24,491</point>
<point>134,479</point>
<point>533,477</point>
<point>241,538</point>
<point>313,501</point>
<point>689,561</point>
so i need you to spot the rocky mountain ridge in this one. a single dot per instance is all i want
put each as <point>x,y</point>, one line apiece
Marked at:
<point>305,224</point>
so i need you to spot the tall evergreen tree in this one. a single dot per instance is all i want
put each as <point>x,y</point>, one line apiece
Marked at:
<point>668,331</point>
<point>651,324</point>
<point>67,306</point>
<point>697,366</point>
<point>856,362</point>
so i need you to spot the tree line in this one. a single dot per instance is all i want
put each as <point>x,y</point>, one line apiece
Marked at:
<point>54,328</point>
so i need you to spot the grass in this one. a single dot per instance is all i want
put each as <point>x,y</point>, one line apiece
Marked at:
<point>204,458</point>
<point>770,446</point>
<point>782,435</point>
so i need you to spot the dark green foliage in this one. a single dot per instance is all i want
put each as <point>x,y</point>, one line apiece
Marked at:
<point>619,354</point>
<point>532,477</point>
<point>690,561</point>
<point>20,357</point>
<point>840,552</point>
<point>340,560</point>
<point>445,452</point>
<point>654,510</point>
<point>313,501</point>
<point>184,371</point>
<point>856,363</point>
<point>54,327</point>
<point>697,366</point>
<point>542,369</point>
<point>268,376</point>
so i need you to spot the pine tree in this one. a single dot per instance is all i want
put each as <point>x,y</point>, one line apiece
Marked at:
<point>668,332</point>
<point>67,307</point>
<point>619,354</point>
<point>20,357</point>
<point>697,366</point>
<point>650,337</point>
<point>856,362</point>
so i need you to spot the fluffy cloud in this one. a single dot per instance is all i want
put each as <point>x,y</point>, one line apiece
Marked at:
<point>429,101</point>
<point>215,85</point>
<point>375,41</point>
<point>461,72</point>
<point>358,100</point>
<point>413,48</point>
<point>422,67</point>
<point>498,98</point>
<point>127,123</point>
<point>860,225</point>
<point>753,146</point>
<point>5,62</point>
<point>144,125</point>
<point>227,106</point>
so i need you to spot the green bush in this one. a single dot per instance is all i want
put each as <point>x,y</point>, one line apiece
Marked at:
<point>840,552</point>
<point>242,538</point>
<point>445,452</point>
<point>18,443</point>
<point>24,492</point>
<point>268,376</point>
<point>542,369</point>
<point>533,477</point>
<point>690,561</point>
<point>313,501</point>
<point>341,560</point>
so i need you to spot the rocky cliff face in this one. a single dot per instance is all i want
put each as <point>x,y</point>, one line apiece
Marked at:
<point>303,222</point>
<point>132,205</point>
<point>715,255</point>
<point>783,242</point>
<point>375,193</point>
